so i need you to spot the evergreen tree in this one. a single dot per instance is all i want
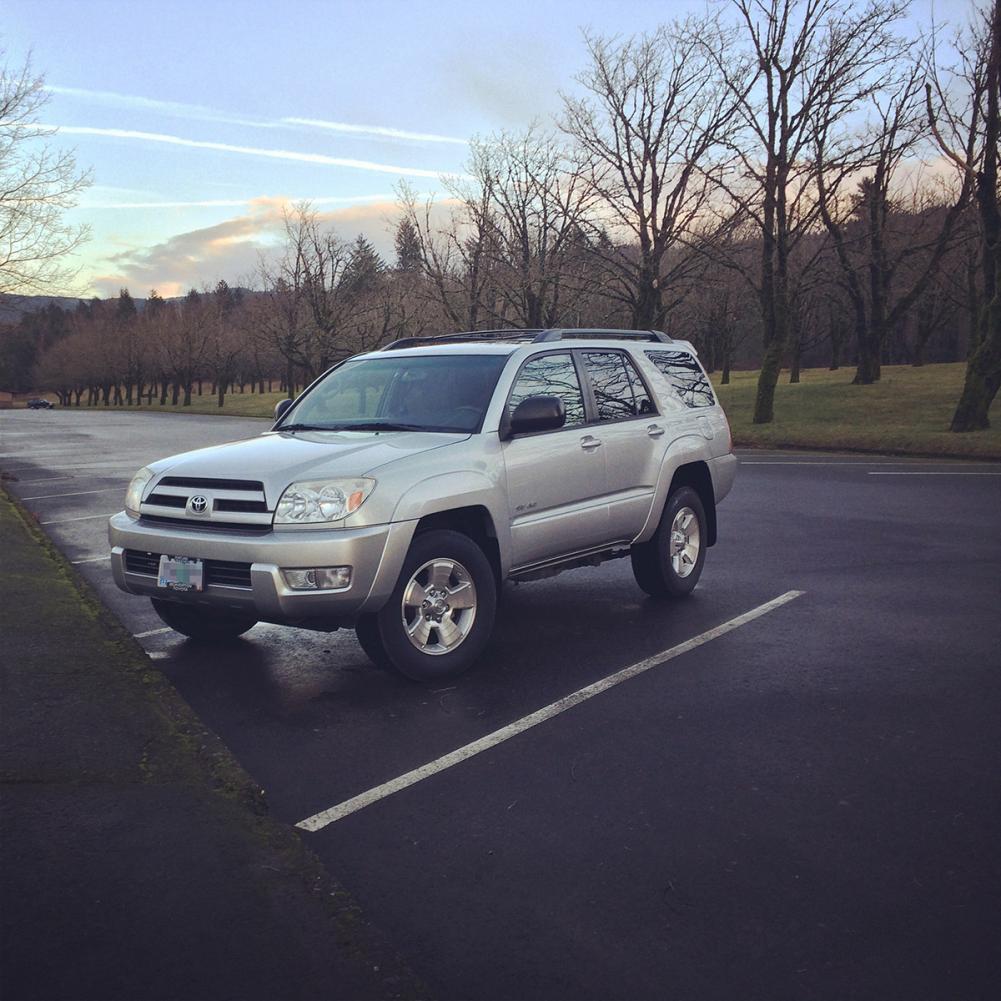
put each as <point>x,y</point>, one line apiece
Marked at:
<point>408,246</point>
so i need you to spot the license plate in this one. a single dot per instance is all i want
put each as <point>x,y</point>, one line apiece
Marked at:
<point>180,573</point>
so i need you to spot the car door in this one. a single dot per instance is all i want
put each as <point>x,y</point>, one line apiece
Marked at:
<point>555,479</point>
<point>632,435</point>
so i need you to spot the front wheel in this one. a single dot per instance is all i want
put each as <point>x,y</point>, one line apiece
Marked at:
<point>200,623</point>
<point>441,612</point>
<point>670,564</point>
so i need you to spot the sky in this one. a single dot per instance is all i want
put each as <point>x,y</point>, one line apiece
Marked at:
<point>201,121</point>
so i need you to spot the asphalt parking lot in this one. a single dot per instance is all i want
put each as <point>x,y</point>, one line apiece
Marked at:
<point>803,805</point>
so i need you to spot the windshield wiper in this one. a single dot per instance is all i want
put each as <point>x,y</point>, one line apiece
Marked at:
<point>304,427</point>
<point>380,426</point>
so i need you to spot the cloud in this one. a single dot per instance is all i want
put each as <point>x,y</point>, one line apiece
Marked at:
<point>231,202</point>
<point>200,112</point>
<point>232,249</point>
<point>375,130</point>
<point>273,154</point>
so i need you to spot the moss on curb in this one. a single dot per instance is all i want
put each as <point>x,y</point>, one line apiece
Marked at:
<point>173,746</point>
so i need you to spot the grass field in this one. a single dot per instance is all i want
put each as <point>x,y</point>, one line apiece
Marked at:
<point>906,413</point>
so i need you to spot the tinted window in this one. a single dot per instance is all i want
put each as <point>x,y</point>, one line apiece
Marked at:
<point>686,376</point>
<point>618,390</point>
<point>550,375</point>
<point>431,392</point>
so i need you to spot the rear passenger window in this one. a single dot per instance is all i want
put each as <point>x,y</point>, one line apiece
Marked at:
<point>685,374</point>
<point>618,389</point>
<point>550,375</point>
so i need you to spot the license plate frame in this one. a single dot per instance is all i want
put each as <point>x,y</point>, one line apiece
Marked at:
<point>181,573</point>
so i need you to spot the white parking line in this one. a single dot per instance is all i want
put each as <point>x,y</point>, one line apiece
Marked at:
<point>83,517</point>
<point>320,820</point>
<point>91,559</point>
<point>74,493</point>
<point>152,632</point>
<point>949,473</point>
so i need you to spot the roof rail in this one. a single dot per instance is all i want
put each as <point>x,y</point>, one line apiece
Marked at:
<point>536,336</point>
<point>569,333</point>
<point>512,334</point>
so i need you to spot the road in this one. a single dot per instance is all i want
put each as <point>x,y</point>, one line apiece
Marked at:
<point>804,806</point>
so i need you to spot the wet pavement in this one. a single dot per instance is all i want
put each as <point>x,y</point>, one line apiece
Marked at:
<point>804,807</point>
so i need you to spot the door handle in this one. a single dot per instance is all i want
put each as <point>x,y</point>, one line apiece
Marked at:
<point>655,430</point>
<point>588,442</point>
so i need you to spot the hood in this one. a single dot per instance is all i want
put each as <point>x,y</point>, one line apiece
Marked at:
<point>278,459</point>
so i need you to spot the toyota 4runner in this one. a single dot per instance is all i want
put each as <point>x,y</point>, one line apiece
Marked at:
<point>399,491</point>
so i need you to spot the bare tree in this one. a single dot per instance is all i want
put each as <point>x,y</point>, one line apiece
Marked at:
<point>653,126</point>
<point>890,241</point>
<point>808,66</point>
<point>37,184</point>
<point>973,149</point>
<point>540,201</point>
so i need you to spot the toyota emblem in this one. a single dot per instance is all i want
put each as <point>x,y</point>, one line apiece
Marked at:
<point>198,504</point>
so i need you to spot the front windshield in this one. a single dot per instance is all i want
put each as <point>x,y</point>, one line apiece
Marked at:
<point>393,393</point>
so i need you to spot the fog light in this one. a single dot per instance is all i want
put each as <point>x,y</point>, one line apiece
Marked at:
<point>318,579</point>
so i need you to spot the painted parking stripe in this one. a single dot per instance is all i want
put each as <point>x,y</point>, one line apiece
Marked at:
<point>320,820</point>
<point>949,473</point>
<point>74,493</point>
<point>152,632</point>
<point>82,517</point>
<point>91,559</point>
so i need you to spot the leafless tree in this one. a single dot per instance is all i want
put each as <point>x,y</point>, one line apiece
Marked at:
<point>653,125</point>
<point>806,67</point>
<point>37,185</point>
<point>967,129</point>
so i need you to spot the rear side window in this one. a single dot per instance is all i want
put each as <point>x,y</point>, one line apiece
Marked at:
<point>685,374</point>
<point>550,375</point>
<point>618,389</point>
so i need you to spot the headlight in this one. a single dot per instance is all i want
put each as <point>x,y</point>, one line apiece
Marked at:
<point>134,495</point>
<point>318,501</point>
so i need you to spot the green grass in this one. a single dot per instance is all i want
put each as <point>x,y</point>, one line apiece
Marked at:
<point>907,412</point>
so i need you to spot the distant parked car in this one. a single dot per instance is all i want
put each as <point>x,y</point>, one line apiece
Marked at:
<point>37,403</point>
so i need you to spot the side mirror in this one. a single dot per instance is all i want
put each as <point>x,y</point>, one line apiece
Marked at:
<point>281,408</point>
<point>537,413</point>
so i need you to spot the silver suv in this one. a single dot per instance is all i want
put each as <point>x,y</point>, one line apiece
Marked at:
<point>399,491</point>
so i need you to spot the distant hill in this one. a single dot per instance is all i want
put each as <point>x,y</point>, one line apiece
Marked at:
<point>13,307</point>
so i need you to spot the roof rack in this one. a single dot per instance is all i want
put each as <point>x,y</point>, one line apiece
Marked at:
<point>514,334</point>
<point>569,333</point>
<point>535,336</point>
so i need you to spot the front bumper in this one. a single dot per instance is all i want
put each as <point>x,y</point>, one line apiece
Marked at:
<point>375,555</point>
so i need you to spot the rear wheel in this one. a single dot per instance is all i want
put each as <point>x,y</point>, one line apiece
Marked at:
<point>441,612</point>
<point>199,623</point>
<point>670,564</point>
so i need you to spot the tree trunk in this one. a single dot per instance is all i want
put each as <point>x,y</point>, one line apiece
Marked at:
<point>164,389</point>
<point>725,378</point>
<point>187,393</point>
<point>797,357</point>
<point>221,392</point>
<point>771,366</point>
<point>199,387</point>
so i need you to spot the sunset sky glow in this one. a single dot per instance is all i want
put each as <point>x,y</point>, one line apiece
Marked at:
<point>200,121</point>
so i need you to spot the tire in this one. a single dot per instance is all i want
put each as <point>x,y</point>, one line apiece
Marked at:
<point>367,632</point>
<point>199,623</point>
<point>666,566</point>
<point>439,617</point>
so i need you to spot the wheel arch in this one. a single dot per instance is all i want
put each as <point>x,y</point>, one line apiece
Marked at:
<point>474,521</point>
<point>697,476</point>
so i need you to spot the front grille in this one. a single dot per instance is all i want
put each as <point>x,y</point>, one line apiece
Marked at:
<point>166,500</point>
<point>224,504</point>
<point>191,525</point>
<point>203,483</point>
<point>221,572</point>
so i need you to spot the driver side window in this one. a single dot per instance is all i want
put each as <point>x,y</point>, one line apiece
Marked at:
<point>550,375</point>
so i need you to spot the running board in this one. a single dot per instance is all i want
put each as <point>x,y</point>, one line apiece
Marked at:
<point>589,558</point>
